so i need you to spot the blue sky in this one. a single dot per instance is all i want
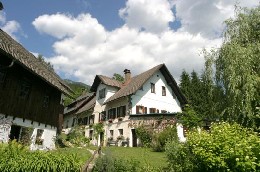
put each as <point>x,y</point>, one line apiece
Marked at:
<point>82,38</point>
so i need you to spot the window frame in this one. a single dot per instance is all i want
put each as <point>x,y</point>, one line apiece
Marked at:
<point>163,91</point>
<point>102,93</point>
<point>152,87</point>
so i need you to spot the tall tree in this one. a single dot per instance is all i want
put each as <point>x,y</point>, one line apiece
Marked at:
<point>238,69</point>
<point>47,64</point>
<point>185,84</point>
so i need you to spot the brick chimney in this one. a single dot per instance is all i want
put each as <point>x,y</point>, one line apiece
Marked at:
<point>127,75</point>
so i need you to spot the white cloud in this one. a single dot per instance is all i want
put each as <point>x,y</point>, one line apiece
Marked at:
<point>205,16</point>
<point>10,27</point>
<point>84,48</point>
<point>153,16</point>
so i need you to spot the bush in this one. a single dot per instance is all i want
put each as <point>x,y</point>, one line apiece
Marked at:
<point>160,139</point>
<point>77,136</point>
<point>15,157</point>
<point>107,163</point>
<point>227,147</point>
<point>144,135</point>
<point>180,157</point>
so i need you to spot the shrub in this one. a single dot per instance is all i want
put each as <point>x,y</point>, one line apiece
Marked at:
<point>160,139</point>
<point>107,163</point>
<point>144,135</point>
<point>226,148</point>
<point>76,136</point>
<point>15,157</point>
<point>180,157</point>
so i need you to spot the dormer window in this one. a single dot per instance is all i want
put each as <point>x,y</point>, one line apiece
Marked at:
<point>102,93</point>
<point>152,88</point>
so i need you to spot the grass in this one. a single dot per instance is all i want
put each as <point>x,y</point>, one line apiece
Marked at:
<point>82,153</point>
<point>143,155</point>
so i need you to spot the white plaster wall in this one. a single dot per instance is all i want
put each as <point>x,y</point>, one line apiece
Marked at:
<point>49,132</point>
<point>180,132</point>
<point>147,99</point>
<point>110,91</point>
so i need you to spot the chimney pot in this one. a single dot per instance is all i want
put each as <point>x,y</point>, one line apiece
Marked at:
<point>127,75</point>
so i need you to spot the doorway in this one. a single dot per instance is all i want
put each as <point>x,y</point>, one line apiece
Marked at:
<point>134,138</point>
<point>15,132</point>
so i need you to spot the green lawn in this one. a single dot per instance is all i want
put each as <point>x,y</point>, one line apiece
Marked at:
<point>143,155</point>
<point>82,153</point>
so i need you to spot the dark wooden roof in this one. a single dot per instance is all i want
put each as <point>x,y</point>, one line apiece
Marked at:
<point>79,103</point>
<point>138,81</point>
<point>26,59</point>
<point>87,106</point>
<point>105,80</point>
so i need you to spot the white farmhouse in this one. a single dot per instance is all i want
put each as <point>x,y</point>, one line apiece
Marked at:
<point>150,98</point>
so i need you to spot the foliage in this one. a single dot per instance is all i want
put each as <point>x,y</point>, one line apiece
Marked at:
<point>48,65</point>
<point>15,157</point>
<point>227,147</point>
<point>189,118</point>
<point>118,77</point>
<point>76,136</point>
<point>146,157</point>
<point>145,135</point>
<point>179,157</point>
<point>185,84</point>
<point>98,128</point>
<point>26,134</point>
<point>78,88</point>
<point>160,139</point>
<point>237,67</point>
<point>108,163</point>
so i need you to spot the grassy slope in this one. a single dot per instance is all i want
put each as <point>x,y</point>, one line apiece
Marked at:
<point>143,155</point>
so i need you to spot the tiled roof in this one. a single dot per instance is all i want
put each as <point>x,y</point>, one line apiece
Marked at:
<point>78,103</point>
<point>23,57</point>
<point>90,104</point>
<point>136,83</point>
<point>105,80</point>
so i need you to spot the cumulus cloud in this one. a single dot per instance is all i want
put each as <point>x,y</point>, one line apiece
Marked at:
<point>85,48</point>
<point>11,27</point>
<point>207,17</point>
<point>153,16</point>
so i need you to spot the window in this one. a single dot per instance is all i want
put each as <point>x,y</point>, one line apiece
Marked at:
<point>46,99</point>
<point>152,88</point>
<point>111,133</point>
<point>91,134</point>
<point>163,111</point>
<point>39,139</point>
<point>91,119</point>
<point>120,132</point>
<point>141,110</point>
<point>121,111</point>
<point>102,93</point>
<point>102,116</point>
<point>152,110</point>
<point>163,91</point>
<point>25,89</point>
<point>112,113</point>
<point>85,121</point>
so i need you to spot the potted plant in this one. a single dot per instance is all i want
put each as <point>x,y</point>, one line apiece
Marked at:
<point>110,120</point>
